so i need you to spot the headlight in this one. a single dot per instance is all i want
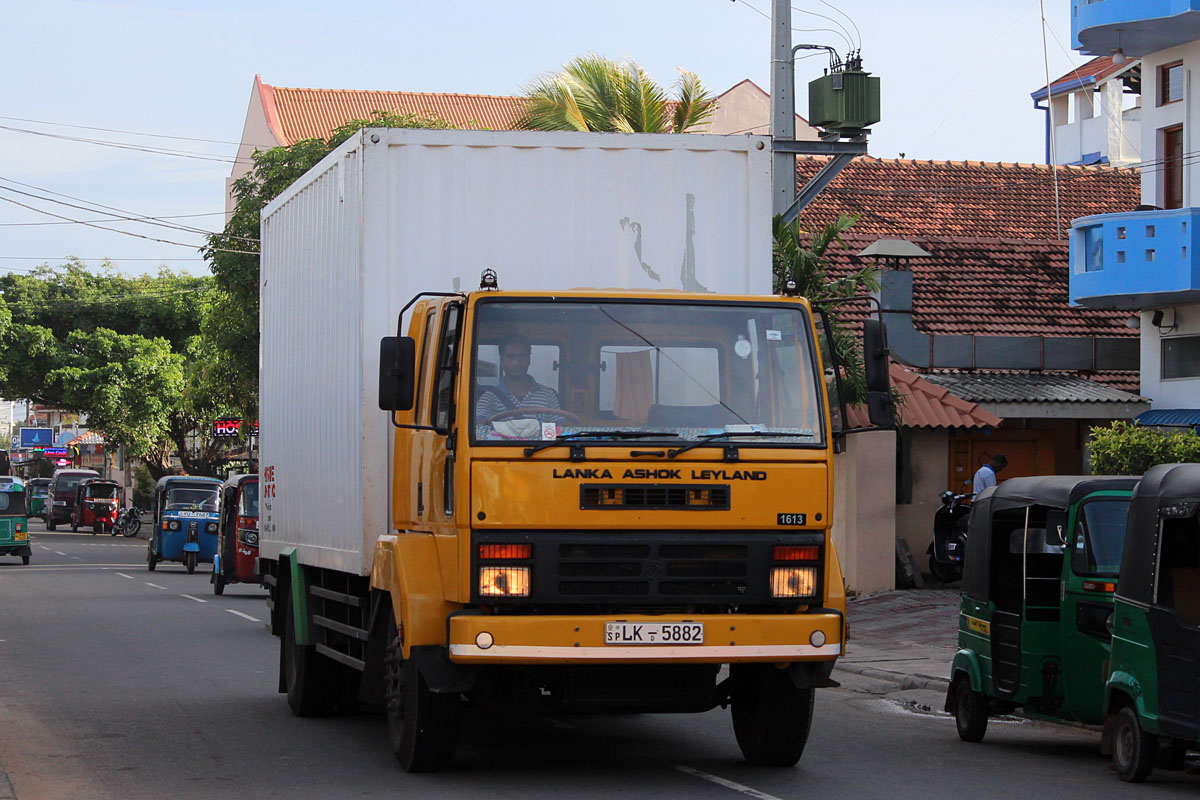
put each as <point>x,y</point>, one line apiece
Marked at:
<point>172,525</point>
<point>247,537</point>
<point>504,581</point>
<point>212,527</point>
<point>793,581</point>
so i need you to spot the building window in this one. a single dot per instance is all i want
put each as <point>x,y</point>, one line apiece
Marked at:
<point>1093,248</point>
<point>1181,357</point>
<point>1170,83</point>
<point>1172,161</point>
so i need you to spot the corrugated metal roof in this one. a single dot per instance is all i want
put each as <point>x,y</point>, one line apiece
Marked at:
<point>1004,387</point>
<point>928,406</point>
<point>1175,417</point>
<point>1092,72</point>
<point>296,114</point>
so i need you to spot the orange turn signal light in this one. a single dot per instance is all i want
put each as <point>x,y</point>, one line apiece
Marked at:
<point>789,552</point>
<point>505,552</point>
<point>1099,586</point>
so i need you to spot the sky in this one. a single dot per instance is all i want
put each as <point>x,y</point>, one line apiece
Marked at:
<point>159,90</point>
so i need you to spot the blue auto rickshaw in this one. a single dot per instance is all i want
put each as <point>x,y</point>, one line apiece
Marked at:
<point>187,515</point>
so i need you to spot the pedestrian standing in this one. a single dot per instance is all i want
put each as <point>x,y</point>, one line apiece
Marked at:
<point>986,475</point>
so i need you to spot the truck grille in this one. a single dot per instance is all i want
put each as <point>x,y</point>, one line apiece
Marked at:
<point>649,568</point>
<point>703,497</point>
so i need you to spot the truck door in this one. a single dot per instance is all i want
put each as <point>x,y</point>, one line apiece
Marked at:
<point>410,489</point>
<point>439,502</point>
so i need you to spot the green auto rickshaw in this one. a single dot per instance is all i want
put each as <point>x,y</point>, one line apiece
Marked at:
<point>37,499</point>
<point>1152,697</point>
<point>1041,566</point>
<point>14,525</point>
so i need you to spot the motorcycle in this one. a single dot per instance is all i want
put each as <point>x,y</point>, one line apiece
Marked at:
<point>129,522</point>
<point>949,543</point>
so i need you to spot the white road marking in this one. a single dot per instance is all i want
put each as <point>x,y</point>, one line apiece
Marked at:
<point>155,585</point>
<point>77,558</point>
<point>197,599</point>
<point>59,553</point>
<point>123,575</point>
<point>243,616</point>
<point>737,787</point>
<point>47,549</point>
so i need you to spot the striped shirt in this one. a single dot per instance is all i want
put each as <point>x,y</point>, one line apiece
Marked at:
<point>489,402</point>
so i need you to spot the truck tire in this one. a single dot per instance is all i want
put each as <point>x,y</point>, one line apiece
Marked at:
<point>771,717</point>
<point>311,692</point>
<point>1134,750</point>
<point>422,724</point>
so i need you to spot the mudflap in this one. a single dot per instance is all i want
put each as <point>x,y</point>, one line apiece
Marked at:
<point>442,674</point>
<point>191,547</point>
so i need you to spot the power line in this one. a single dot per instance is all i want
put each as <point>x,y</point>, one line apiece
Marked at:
<point>165,216</point>
<point>117,230</point>
<point>162,151</point>
<point>845,34</point>
<point>857,32</point>
<point>116,130</point>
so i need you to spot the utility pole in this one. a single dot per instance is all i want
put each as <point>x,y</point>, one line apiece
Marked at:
<point>783,106</point>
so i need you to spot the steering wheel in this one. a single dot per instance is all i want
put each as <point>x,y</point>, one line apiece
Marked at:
<point>516,412</point>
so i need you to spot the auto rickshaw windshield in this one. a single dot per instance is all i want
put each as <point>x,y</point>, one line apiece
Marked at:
<point>1100,537</point>
<point>103,491</point>
<point>248,505</point>
<point>181,498</point>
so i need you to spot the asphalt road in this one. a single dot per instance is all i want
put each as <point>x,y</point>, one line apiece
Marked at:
<point>116,682</point>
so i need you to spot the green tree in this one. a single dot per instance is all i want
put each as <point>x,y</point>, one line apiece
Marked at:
<point>594,93</point>
<point>802,256</point>
<point>230,326</point>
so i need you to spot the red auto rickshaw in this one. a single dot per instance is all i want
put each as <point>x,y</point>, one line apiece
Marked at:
<point>236,560</point>
<point>97,502</point>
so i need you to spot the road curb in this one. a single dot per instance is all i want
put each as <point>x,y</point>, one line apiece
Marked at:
<point>905,680</point>
<point>6,790</point>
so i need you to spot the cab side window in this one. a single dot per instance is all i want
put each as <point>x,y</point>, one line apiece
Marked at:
<point>442,416</point>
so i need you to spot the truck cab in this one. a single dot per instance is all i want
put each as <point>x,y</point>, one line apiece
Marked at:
<point>598,499</point>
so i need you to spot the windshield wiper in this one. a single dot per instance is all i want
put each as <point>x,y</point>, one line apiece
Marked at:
<point>703,440</point>
<point>567,437</point>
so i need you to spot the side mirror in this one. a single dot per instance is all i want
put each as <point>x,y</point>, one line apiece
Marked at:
<point>397,372</point>
<point>881,409</point>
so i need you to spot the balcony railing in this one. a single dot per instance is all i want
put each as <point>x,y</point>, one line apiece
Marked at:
<point>1100,26</point>
<point>1138,259</point>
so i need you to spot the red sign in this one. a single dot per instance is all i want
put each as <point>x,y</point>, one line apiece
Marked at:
<point>226,428</point>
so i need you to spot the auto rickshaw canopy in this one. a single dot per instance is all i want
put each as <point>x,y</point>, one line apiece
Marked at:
<point>1050,492</point>
<point>1166,492</point>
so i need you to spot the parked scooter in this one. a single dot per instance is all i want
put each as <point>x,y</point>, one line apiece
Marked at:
<point>949,543</point>
<point>129,522</point>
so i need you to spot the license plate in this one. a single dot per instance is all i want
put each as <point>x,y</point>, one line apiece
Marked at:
<point>624,633</point>
<point>20,536</point>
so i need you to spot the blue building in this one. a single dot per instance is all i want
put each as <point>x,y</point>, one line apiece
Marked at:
<point>1147,259</point>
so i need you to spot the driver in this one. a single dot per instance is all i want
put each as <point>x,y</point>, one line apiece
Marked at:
<point>516,387</point>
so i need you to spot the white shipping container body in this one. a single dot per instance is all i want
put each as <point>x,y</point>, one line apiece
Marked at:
<point>394,212</point>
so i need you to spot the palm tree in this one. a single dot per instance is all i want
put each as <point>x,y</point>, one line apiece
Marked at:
<point>594,93</point>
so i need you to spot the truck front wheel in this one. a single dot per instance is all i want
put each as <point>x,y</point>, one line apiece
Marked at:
<point>422,724</point>
<point>771,717</point>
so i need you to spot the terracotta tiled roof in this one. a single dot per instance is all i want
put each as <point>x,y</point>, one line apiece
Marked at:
<point>925,405</point>
<point>91,437</point>
<point>994,287</point>
<point>1093,71</point>
<point>295,114</point>
<point>901,198</point>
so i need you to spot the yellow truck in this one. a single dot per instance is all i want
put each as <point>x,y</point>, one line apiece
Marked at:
<point>570,500</point>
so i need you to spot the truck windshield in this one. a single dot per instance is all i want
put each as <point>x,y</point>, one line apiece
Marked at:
<point>544,369</point>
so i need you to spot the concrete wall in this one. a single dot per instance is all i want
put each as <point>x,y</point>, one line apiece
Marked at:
<point>930,467</point>
<point>256,135</point>
<point>1186,112</point>
<point>1176,392</point>
<point>864,522</point>
<point>746,108</point>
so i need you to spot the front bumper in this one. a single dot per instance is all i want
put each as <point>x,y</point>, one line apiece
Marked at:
<point>729,638</point>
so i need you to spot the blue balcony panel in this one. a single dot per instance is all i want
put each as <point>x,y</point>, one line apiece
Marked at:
<point>1137,259</point>
<point>1145,26</point>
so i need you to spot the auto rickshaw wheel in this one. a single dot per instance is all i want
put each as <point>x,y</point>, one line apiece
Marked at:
<point>51,524</point>
<point>970,712</point>
<point>771,716</point>
<point>1133,749</point>
<point>218,582</point>
<point>151,559</point>
<point>422,724</point>
<point>74,526</point>
<point>99,526</point>
<point>189,562</point>
<point>25,560</point>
